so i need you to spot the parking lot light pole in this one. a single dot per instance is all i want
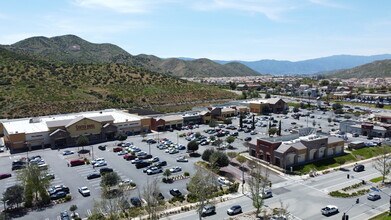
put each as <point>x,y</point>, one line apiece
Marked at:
<point>149,147</point>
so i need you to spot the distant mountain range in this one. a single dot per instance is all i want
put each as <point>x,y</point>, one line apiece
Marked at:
<point>73,49</point>
<point>308,67</point>
<point>377,69</point>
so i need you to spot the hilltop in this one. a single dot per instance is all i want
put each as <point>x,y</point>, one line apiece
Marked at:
<point>377,69</point>
<point>73,49</point>
<point>32,87</point>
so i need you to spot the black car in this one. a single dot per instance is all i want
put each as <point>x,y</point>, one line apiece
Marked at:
<point>161,163</point>
<point>93,176</point>
<point>359,168</point>
<point>58,195</point>
<point>142,164</point>
<point>105,170</point>
<point>158,195</point>
<point>102,147</point>
<point>18,166</point>
<point>175,192</point>
<point>64,215</point>
<point>151,141</point>
<point>135,201</point>
<point>247,139</point>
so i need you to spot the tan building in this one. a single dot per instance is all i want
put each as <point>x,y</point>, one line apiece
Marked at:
<point>273,105</point>
<point>63,130</point>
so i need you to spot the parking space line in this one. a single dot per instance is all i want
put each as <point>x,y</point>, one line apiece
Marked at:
<point>89,213</point>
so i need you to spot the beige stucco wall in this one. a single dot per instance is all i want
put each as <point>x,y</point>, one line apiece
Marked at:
<point>84,126</point>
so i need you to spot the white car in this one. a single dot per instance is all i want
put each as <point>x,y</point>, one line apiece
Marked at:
<point>223,181</point>
<point>97,160</point>
<point>329,210</point>
<point>100,164</point>
<point>173,151</point>
<point>84,191</point>
<point>126,182</point>
<point>154,159</point>
<point>67,152</point>
<point>175,169</point>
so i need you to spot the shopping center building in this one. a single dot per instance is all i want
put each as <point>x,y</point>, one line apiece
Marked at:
<point>63,130</point>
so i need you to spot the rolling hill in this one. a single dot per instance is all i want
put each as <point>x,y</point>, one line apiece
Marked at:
<point>73,49</point>
<point>31,87</point>
<point>377,69</point>
<point>308,67</point>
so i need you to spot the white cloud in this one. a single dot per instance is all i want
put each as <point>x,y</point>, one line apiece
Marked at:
<point>123,6</point>
<point>272,9</point>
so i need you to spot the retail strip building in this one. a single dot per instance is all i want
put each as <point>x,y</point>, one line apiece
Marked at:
<point>63,130</point>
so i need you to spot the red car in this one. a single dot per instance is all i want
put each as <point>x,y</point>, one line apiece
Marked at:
<point>117,149</point>
<point>5,175</point>
<point>129,157</point>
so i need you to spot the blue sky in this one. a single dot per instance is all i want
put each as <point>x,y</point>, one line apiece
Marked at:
<point>216,29</point>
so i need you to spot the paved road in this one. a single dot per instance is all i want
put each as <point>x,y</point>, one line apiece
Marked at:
<point>305,198</point>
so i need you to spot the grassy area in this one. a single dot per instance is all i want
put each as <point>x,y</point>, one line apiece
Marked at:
<point>363,105</point>
<point>326,163</point>
<point>365,153</point>
<point>383,216</point>
<point>377,179</point>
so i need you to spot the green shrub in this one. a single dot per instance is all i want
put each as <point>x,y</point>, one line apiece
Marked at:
<point>68,198</point>
<point>186,173</point>
<point>132,184</point>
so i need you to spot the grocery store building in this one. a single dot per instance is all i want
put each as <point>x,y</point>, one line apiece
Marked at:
<point>63,130</point>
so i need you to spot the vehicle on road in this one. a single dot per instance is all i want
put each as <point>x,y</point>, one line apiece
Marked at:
<point>329,210</point>
<point>105,170</point>
<point>84,191</point>
<point>234,210</point>
<point>58,195</point>
<point>97,160</point>
<point>117,149</point>
<point>93,176</point>
<point>154,170</point>
<point>67,152</point>
<point>64,216</point>
<point>129,157</point>
<point>135,201</point>
<point>223,180</point>
<point>182,159</point>
<point>359,168</point>
<point>77,162</point>
<point>373,196</point>
<point>248,139</point>
<point>5,175</point>
<point>267,194</point>
<point>175,192</point>
<point>102,147</point>
<point>175,169</point>
<point>100,164</point>
<point>208,210</point>
<point>161,163</point>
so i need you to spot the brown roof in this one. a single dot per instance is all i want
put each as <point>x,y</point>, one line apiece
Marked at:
<point>172,118</point>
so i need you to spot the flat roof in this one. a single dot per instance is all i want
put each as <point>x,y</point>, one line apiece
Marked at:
<point>40,124</point>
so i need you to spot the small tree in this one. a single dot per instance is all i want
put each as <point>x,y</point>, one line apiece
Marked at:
<point>213,123</point>
<point>73,208</point>
<point>230,139</point>
<point>241,159</point>
<point>383,162</point>
<point>253,123</point>
<point>267,96</point>
<point>151,196</point>
<point>110,179</point>
<point>206,155</point>
<point>121,136</point>
<point>272,131</point>
<point>257,183</point>
<point>313,123</point>
<point>218,142</point>
<point>296,109</point>
<point>279,128</point>
<point>192,146</point>
<point>218,159</point>
<point>202,185</point>
<point>197,134</point>
<point>13,195</point>
<point>167,173</point>
<point>82,141</point>
<point>329,120</point>
<point>228,121</point>
<point>241,116</point>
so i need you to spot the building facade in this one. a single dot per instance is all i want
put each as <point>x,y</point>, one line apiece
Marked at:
<point>63,130</point>
<point>292,150</point>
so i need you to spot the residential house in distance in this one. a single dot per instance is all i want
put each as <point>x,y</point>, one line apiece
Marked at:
<point>290,150</point>
<point>273,105</point>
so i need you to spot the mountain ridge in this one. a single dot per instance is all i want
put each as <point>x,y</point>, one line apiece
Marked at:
<point>73,49</point>
<point>376,69</point>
